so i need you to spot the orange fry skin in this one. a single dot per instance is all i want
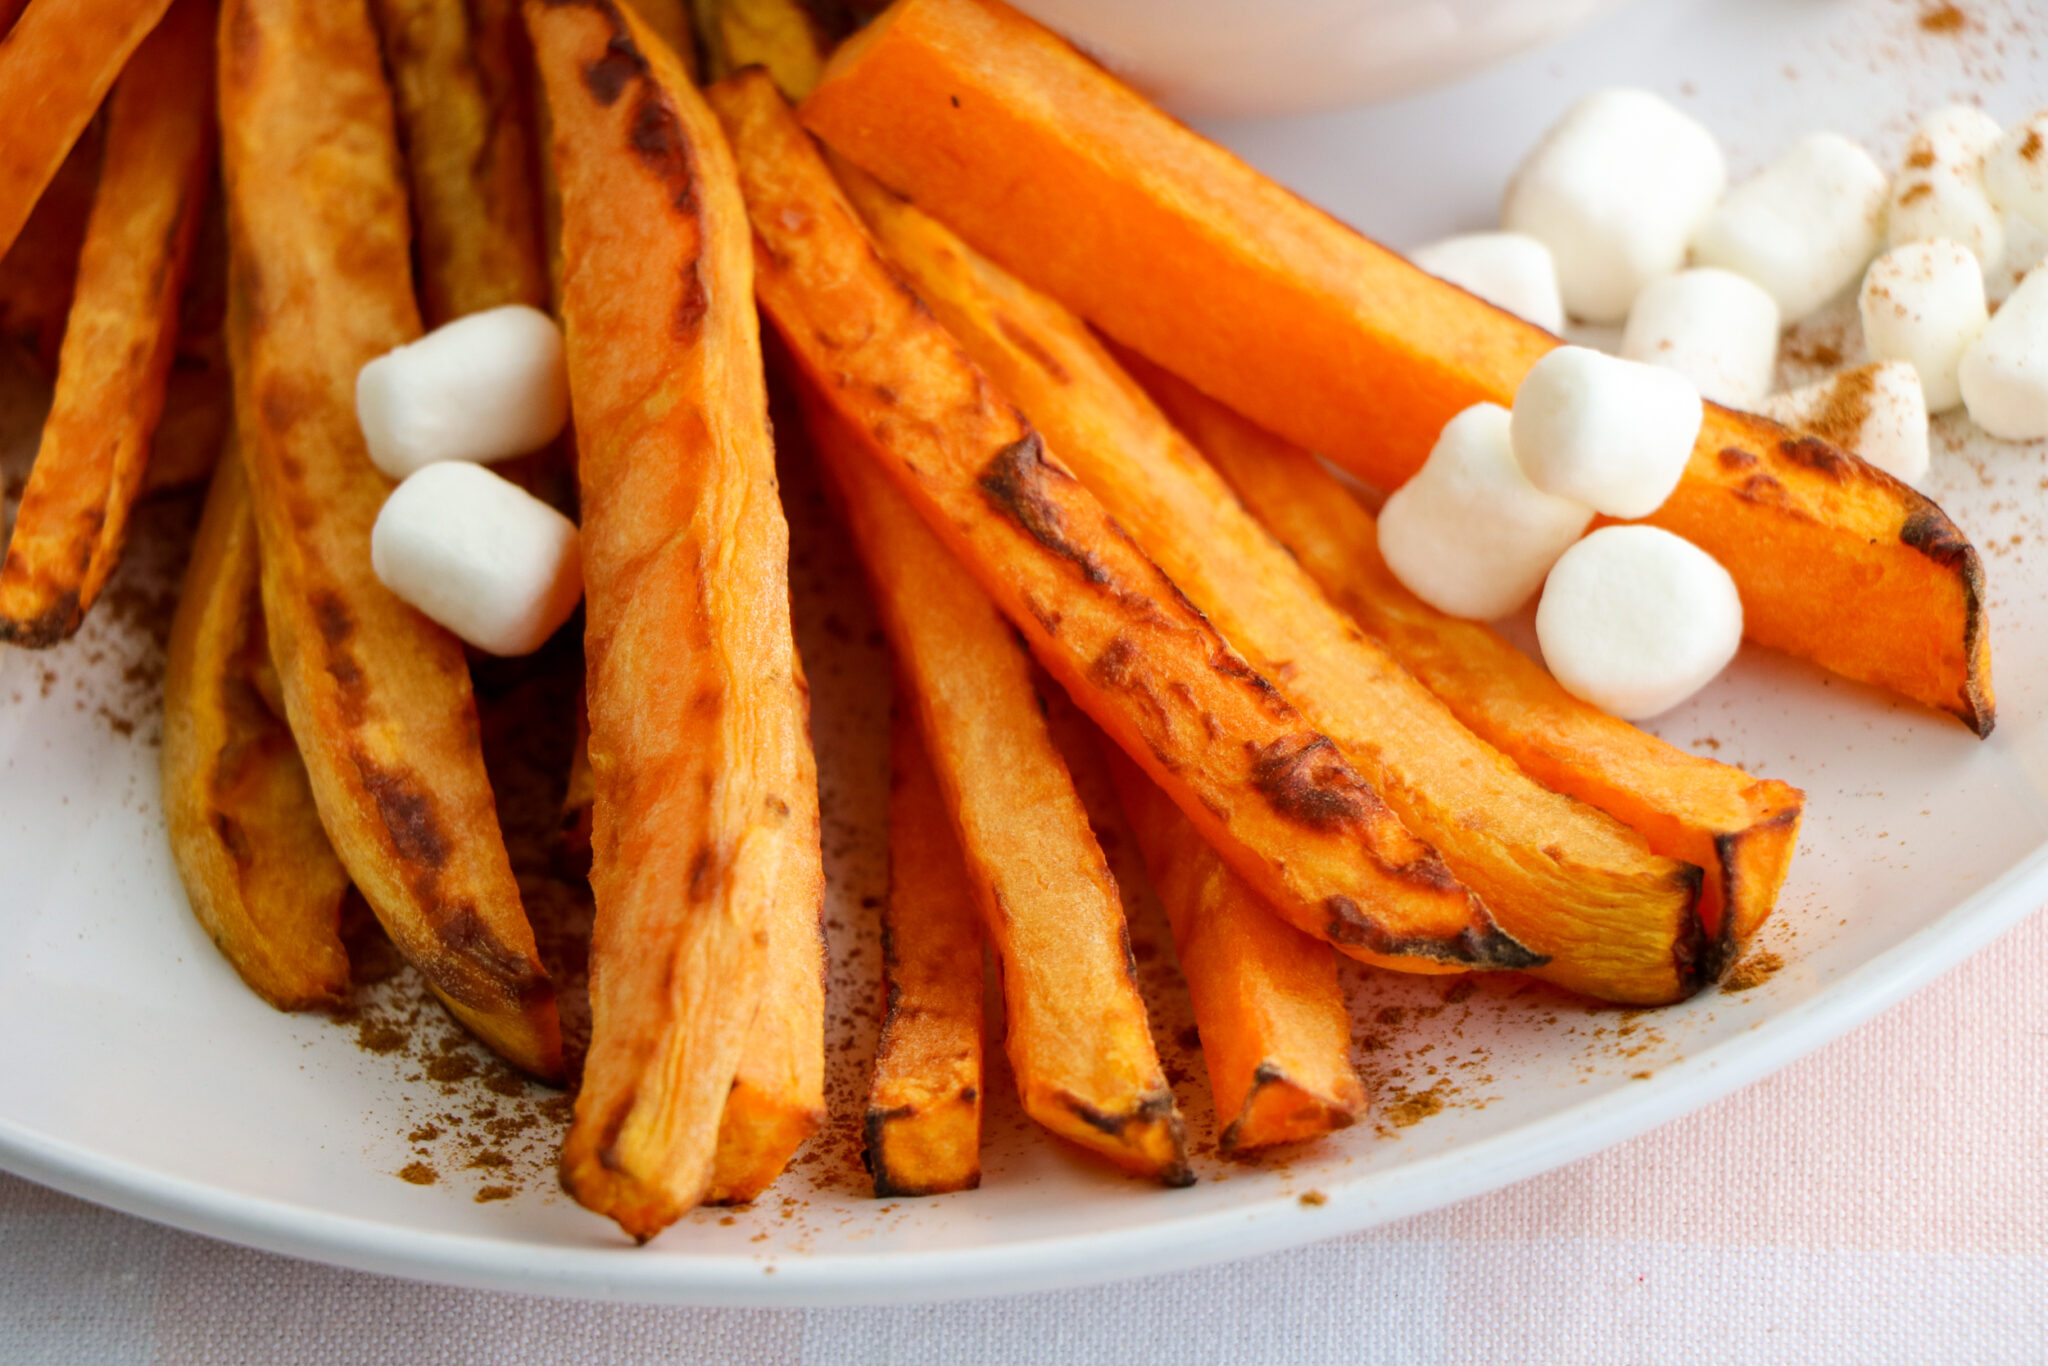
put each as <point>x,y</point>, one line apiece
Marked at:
<point>378,697</point>
<point>923,1121</point>
<point>1276,1033</point>
<point>39,273</point>
<point>456,75</point>
<point>1079,1038</point>
<point>1742,830</point>
<point>56,65</point>
<point>705,817</point>
<point>1044,161</point>
<point>1570,882</point>
<point>121,335</point>
<point>1296,819</point>
<point>258,869</point>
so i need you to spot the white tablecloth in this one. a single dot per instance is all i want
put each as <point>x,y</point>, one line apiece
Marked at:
<point>1883,1200</point>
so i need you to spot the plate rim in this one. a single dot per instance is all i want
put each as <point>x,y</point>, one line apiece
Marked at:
<point>1270,1224</point>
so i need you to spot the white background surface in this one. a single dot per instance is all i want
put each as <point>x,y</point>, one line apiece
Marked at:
<point>1835,1228</point>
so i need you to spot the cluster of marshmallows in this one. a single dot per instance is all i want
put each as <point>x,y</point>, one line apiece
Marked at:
<point>467,547</point>
<point>1622,215</point>
<point>1633,619</point>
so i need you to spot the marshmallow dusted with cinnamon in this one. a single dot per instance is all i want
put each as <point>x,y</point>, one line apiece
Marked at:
<point>1616,190</point>
<point>2016,170</point>
<point>2004,374</point>
<point>1510,270</point>
<point>1714,327</point>
<point>1635,620</point>
<point>1876,411</point>
<point>1804,227</point>
<point>480,555</point>
<point>1613,434</point>
<point>1924,303</point>
<point>1941,191</point>
<point>1469,534</point>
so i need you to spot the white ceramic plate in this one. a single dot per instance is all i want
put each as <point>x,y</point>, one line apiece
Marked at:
<point>139,1073</point>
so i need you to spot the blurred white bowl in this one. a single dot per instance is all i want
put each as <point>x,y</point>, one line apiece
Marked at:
<point>1236,57</point>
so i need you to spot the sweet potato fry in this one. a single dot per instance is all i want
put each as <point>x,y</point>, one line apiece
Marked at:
<point>260,873</point>
<point>1742,830</point>
<point>378,697</point>
<point>1276,1034</point>
<point>779,35</point>
<point>456,75</point>
<point>1292,815</point>
<point>705,832</point>
<point>121,335</point>
<point>923,1124</point>
<point>55,67</point>
<point>40,271</point>
<point>1079,1039</point>
<point>671,21</point>
<point>1044,161</point>
<point>10,10</point>
<point>199,395</point>
<point>1566,880</point>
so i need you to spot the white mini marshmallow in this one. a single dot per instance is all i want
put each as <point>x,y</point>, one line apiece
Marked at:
<point>1714,327</point>
<point>1469,535</point>
<point>2004,374</point>
<point>480,555</point>
<point>1613,434</point>
<point>1510,270</point>
<point>1616,190</point>
<point>2016,170</point>
<point>1635,620</point>
<point>1924,303</point>
<point>1879,412</point>
<point>483,388</point>
<point>1941,192</point>
<point>1804,227</point>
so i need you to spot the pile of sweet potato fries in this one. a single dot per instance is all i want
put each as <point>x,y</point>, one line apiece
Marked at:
<point>1062,362</point>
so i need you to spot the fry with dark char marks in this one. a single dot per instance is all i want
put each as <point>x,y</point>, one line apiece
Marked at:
<point>923,1123</point>
<point>121,335</point>
<point>258,869</point>
<point>1276,1033</point>
<point>457,78</point>
<point>1741,830</point>
<point>1043,160</point>
<point>55,67</point>
<point>378,697</point>
<point>1295,819</point>
<point>1078,1035</point>
<point>705,824</point>
<point>1570,882</point>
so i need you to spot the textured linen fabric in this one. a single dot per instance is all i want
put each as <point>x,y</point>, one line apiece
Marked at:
<point>1884,1200</point>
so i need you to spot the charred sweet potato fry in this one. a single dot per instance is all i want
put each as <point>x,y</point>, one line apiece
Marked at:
<point>55,67</point>
<point>1276,1034</point>
<point>256,865</point>
<point>923,1124</point>
<point>456,75</point>
<point>1292,815</point>
<point>39,272</point>
<point>378,697</point>
<point>1616,921</point>
<point>705,830</point>
<point>1740,829</point>
<point>671,21</point>
<point>1079,1038</point>
<point>121,335</point>
<point>1044,161</point>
